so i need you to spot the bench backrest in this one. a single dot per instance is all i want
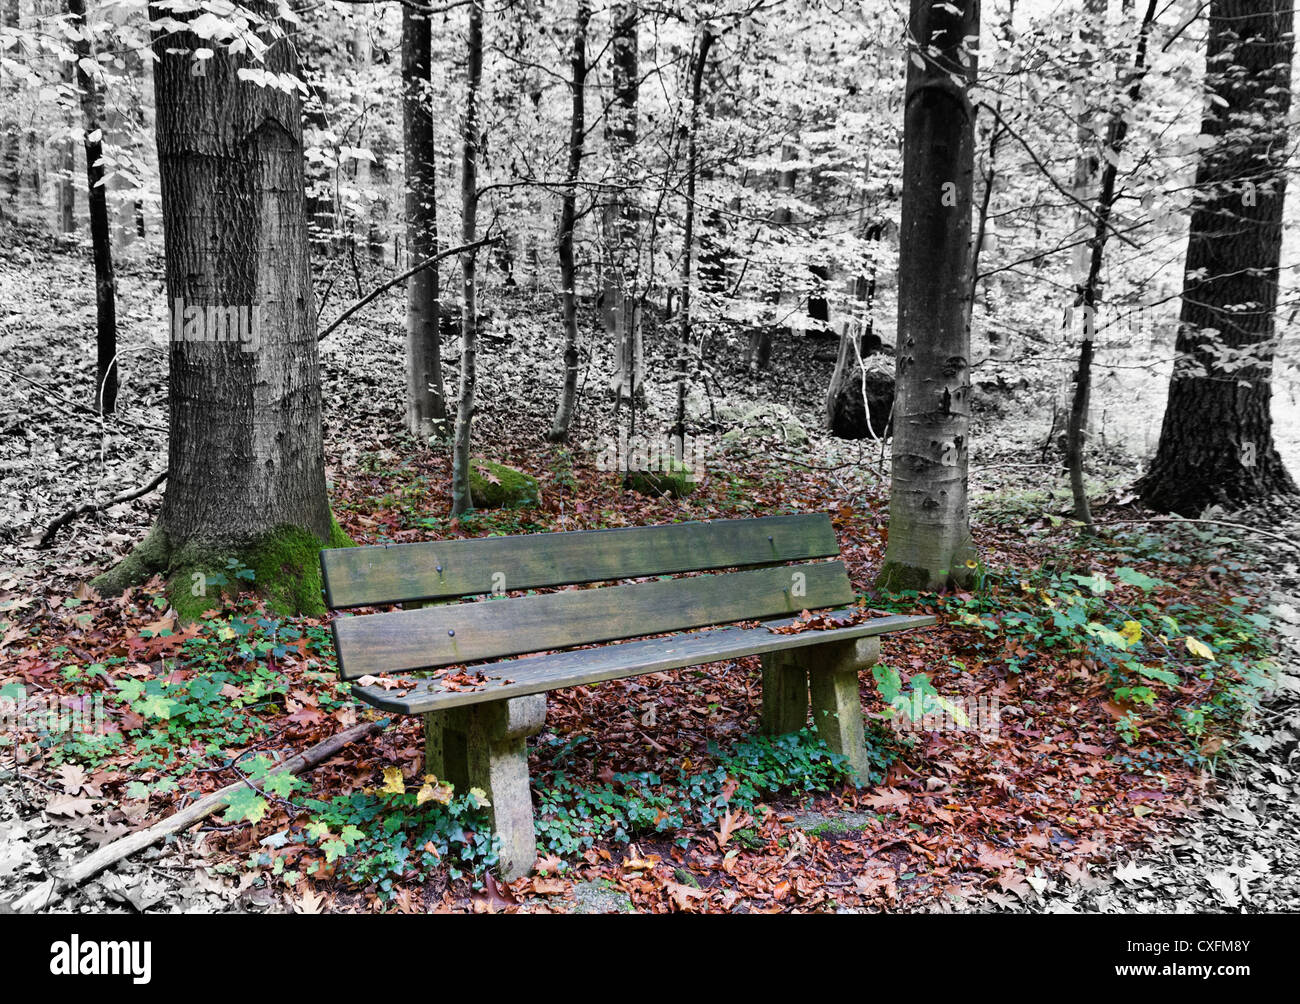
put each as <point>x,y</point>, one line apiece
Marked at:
<point>498,627</point>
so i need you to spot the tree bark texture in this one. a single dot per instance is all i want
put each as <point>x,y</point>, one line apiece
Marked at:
<point>568,220</point>
<point>929,524</point>
<point>460,494</point>
<point>245,454</point>
<point>1216,442</point>
<point>92,103</point>
<point>426,404</point>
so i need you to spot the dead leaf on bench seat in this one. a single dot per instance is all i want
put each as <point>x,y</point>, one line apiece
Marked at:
<point>383,682</point>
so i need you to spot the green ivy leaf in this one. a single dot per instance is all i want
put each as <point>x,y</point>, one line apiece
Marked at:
<point>244,803</point>
<point>284,784</point>
<point>1132,577</point>
<point>1163,675</point>
<point>1097,582</point>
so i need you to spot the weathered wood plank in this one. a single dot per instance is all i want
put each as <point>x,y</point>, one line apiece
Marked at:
<point>405,640</point>
<point>537,674</point>
<point>379,575</point>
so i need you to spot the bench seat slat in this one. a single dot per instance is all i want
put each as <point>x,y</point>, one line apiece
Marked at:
<point>443,569</point>
<point>538,674</point>
<point>406,640</point>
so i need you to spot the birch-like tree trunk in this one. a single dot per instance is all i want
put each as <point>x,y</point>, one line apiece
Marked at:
<point>758,348</point>
<point>67,188</point>
<point>688,237</point>
<point>10,136</point>
<point>359,223</point>
<point>1089,297</point>
<point>621,317</point>
<point>559,431</point>
<point>460,493</point>
<point>92,114</point>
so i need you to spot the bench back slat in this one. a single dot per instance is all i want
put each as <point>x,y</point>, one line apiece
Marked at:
<point>445,569</point>
<point>427,638</point>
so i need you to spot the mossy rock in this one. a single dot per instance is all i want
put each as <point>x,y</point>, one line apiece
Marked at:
<point>496,486</point>
<point>600,897</point>
<point>676,481</point>
<point>763,421</point>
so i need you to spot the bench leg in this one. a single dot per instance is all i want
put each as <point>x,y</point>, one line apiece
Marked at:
<point>435,762</point>
<point>785,694</point>
<point>486,746</point>
<point>836,706</point>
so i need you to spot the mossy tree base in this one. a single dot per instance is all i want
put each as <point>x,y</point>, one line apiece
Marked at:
<point>896,577</point>
<point>282,565</point>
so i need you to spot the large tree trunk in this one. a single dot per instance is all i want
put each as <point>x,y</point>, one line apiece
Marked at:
<point>621,216</point>
<point>568,220</point>
<point>1216,443</point>
<point>426,406</point>
<point>92,101</point>
<point>246,465</point>
<point>929,525</point>
<point>460,494</point>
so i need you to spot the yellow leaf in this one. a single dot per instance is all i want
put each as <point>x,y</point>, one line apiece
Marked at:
<point>480,797</point>
<point>1131,632</point>
<point>433,790</point>
<point>393,783</point>
<point>1199,648</point>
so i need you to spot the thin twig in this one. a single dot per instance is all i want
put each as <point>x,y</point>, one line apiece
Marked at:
<point>46,893</point>
<point>404,276</point>
<point>90,507</point>
<point>1214,522</point>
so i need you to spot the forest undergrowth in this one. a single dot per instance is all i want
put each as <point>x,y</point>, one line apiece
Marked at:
<point>1074,706</point>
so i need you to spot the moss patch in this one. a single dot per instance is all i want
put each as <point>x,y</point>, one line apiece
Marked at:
<point>148,558</point>
<point>821,825</point>
<point>896,577</point>
<point>676,480</point>
<point>495,486</point>
<point>282,565</point>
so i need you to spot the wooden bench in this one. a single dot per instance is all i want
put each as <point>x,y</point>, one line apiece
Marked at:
<point>477,719</point>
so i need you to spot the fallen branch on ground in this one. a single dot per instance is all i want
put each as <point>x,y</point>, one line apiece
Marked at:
<point>1213,522</point>
<point>109,854</point>
<point>90,507</point>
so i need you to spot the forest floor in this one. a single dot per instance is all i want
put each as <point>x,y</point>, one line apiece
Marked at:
<point>1124,769</point>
